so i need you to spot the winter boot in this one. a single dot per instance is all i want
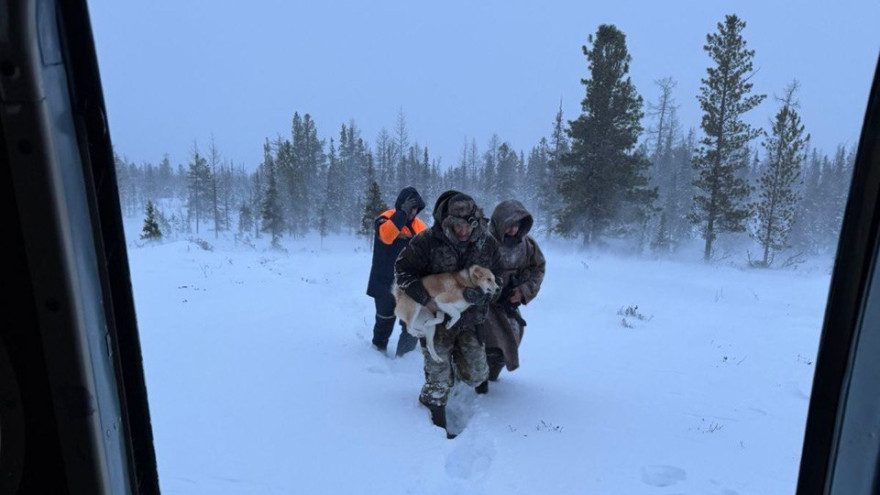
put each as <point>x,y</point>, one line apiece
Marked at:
<point>382,332</point>
<point>405,342</point>
<point>495,359</point>
<point>438,417</point>
<point>495,370</point>
<point>482,388</point>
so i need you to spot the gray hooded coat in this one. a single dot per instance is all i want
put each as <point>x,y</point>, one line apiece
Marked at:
<point>522,265</point>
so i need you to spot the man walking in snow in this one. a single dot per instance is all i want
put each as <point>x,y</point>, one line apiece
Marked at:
<point>457,240</point>
<point>393,230</point>
<point>522,270</point>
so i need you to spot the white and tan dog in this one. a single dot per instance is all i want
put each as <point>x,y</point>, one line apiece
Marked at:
<point>447,289</point>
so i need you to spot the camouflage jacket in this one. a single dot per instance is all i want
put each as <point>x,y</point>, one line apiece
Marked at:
<point>432,251</point>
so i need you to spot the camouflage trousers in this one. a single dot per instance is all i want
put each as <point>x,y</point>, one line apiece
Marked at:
<point>462,356</point>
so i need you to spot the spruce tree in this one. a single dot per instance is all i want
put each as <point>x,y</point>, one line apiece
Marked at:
<point>216,211</point>
<point>256,199</point>
<point>151,230</point>
<point>384,163</point>
<point>548,196</point>
<point>835,184</point>
<point>535,179</point>
<point>245,218</point>
<point>311,153</point>
<point>603,173</point>
<point>165,178</point>
<point>662,241</point>
<point>488,182</point>
<point>398,151</point>
<point>270,209</point>
<point>323,224</point>
<point>506,176</point>
<point>333,197</point>
<point>780,181</point>
<point>805,227</point>
<point>199,188</point>
<point>681,190</point>
<point>722,158</point>
<point>373,203</point>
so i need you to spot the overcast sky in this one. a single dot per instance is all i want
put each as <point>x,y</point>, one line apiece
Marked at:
<point>175,72</point>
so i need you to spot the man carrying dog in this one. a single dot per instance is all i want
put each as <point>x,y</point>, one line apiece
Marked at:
<point>522,271</point>
<point>455,241</point>
<point>394,229</point>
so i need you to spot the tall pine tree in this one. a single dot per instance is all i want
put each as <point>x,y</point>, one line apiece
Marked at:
<point>602,173</point>
<point>722,157</point>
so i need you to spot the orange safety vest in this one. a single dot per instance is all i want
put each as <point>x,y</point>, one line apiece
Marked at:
<point>388,232</point>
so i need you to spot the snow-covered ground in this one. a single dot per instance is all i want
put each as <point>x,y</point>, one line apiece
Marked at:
<point>262,380</point>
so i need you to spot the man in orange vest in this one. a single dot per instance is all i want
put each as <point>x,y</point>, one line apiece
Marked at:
<point>394,228</point>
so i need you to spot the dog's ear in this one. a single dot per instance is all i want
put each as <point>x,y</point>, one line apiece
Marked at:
<point>478,271</point>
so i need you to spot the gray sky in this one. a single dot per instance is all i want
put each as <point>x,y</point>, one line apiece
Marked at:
<point>176,71</point>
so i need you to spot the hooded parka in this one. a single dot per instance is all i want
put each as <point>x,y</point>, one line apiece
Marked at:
<point>522,265</point>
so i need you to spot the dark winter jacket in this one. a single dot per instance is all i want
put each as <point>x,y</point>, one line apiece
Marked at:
<point>392,233</point>
<point>436,250</point>
<point>523,266</point>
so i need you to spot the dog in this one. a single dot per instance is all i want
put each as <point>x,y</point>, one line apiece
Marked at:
<point>447,289</point>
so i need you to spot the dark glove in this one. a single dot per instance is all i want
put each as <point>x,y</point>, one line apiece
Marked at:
<point>505,294</point>
<point>507,289</point>
<point>410,203</point>
<point>476,296</point>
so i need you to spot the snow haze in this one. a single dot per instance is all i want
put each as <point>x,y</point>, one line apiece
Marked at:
<point>175,73</point>
<point>262,380</point>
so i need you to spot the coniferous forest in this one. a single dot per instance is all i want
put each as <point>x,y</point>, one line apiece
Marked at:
<point>624,173</point>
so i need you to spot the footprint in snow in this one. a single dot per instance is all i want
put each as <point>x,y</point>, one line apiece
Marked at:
<point>378,369</point>
<point>471,458</point>
<point>662,475</point>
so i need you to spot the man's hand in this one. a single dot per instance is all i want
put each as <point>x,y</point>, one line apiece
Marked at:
<point>432,306</point>
<point>408,205</point>
<point>476,296</point>
<point>516,296</point>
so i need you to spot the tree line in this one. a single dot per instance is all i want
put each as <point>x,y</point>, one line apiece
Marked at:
<point>602,178</point>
